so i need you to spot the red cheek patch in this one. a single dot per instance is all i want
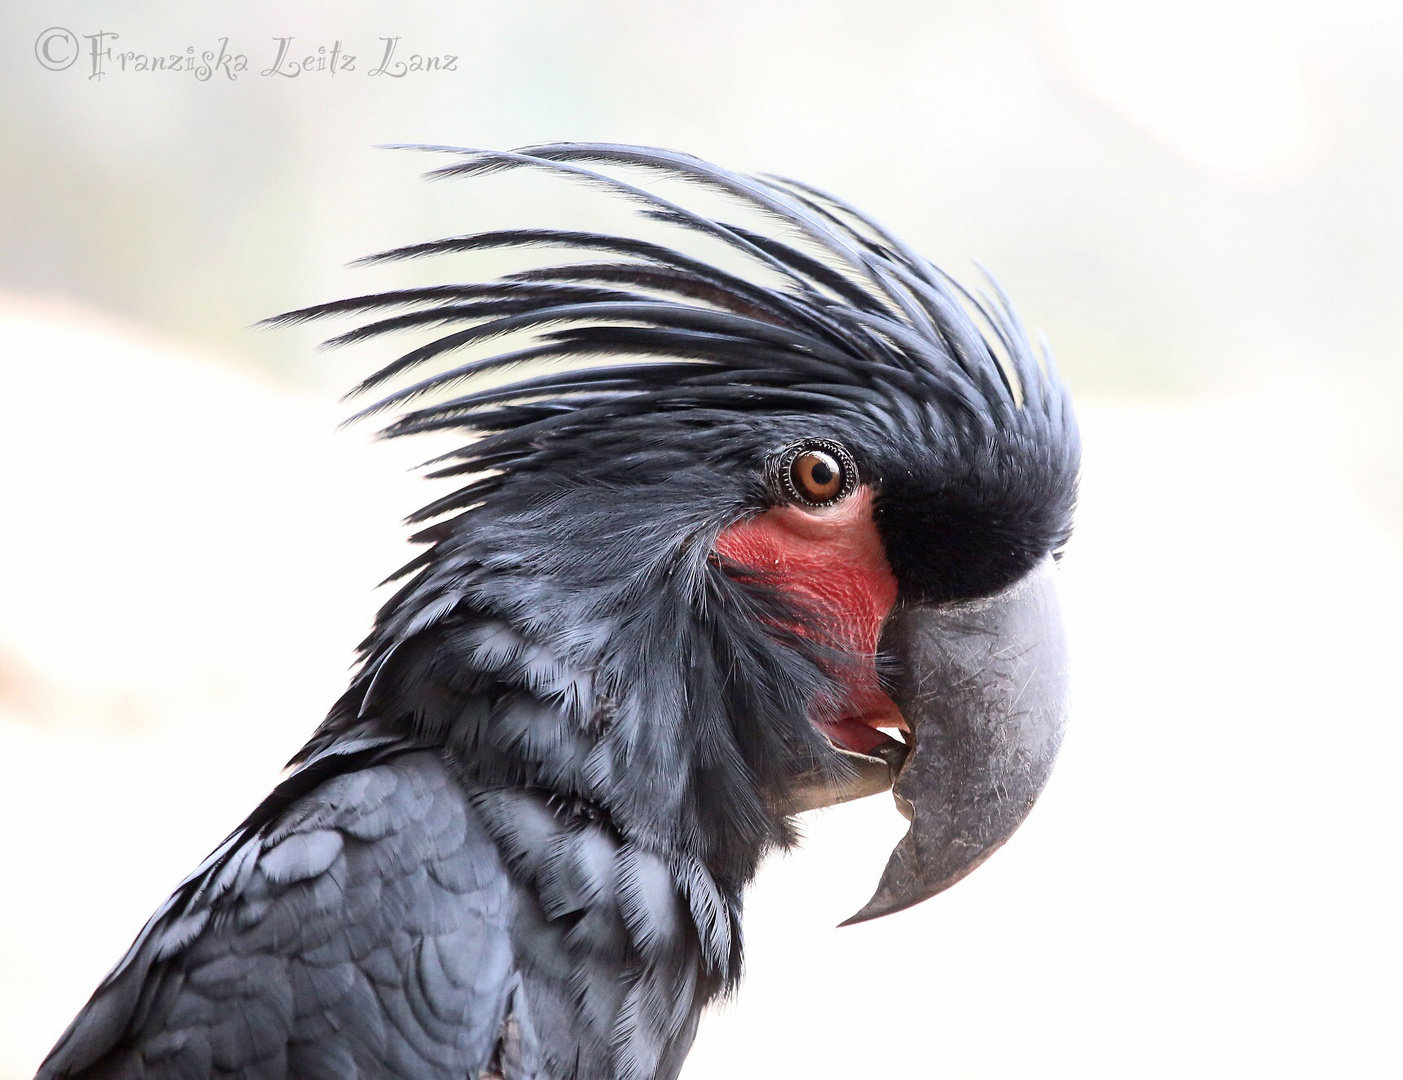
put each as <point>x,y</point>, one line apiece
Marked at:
<point>830,560</point>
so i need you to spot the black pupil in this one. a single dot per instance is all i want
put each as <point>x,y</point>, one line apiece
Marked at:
<point>822,472</point>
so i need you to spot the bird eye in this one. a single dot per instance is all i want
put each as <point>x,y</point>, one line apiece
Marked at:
<point>816,472</point>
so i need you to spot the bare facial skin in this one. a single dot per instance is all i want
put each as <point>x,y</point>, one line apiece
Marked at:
<point>830,559</point>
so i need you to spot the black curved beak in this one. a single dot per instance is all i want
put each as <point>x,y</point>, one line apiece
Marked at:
<point>983,687</point>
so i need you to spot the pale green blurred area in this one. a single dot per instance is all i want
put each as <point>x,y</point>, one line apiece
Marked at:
<point>1199,203</point>
<point>1181,195</point>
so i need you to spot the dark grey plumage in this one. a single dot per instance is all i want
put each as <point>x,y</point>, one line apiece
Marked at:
<point>310,945</point>
<point>517,845</point>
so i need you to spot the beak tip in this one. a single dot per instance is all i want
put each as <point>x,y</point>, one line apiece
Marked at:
<point>893,896</point>
<point>874,909</point>
<point>985,693</point>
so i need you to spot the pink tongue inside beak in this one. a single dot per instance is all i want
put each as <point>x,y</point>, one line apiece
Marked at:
<point>830,560</point>
<point>859,735</point>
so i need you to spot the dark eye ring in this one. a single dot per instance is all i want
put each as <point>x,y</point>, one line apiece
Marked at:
<point>815,472</point>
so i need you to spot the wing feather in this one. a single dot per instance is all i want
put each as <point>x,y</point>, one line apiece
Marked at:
<point>358,924</point>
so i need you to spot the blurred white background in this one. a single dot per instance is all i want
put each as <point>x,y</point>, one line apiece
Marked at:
<point>1199,203</point>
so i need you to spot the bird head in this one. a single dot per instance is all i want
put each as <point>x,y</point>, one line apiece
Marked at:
<point>732,537</point>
